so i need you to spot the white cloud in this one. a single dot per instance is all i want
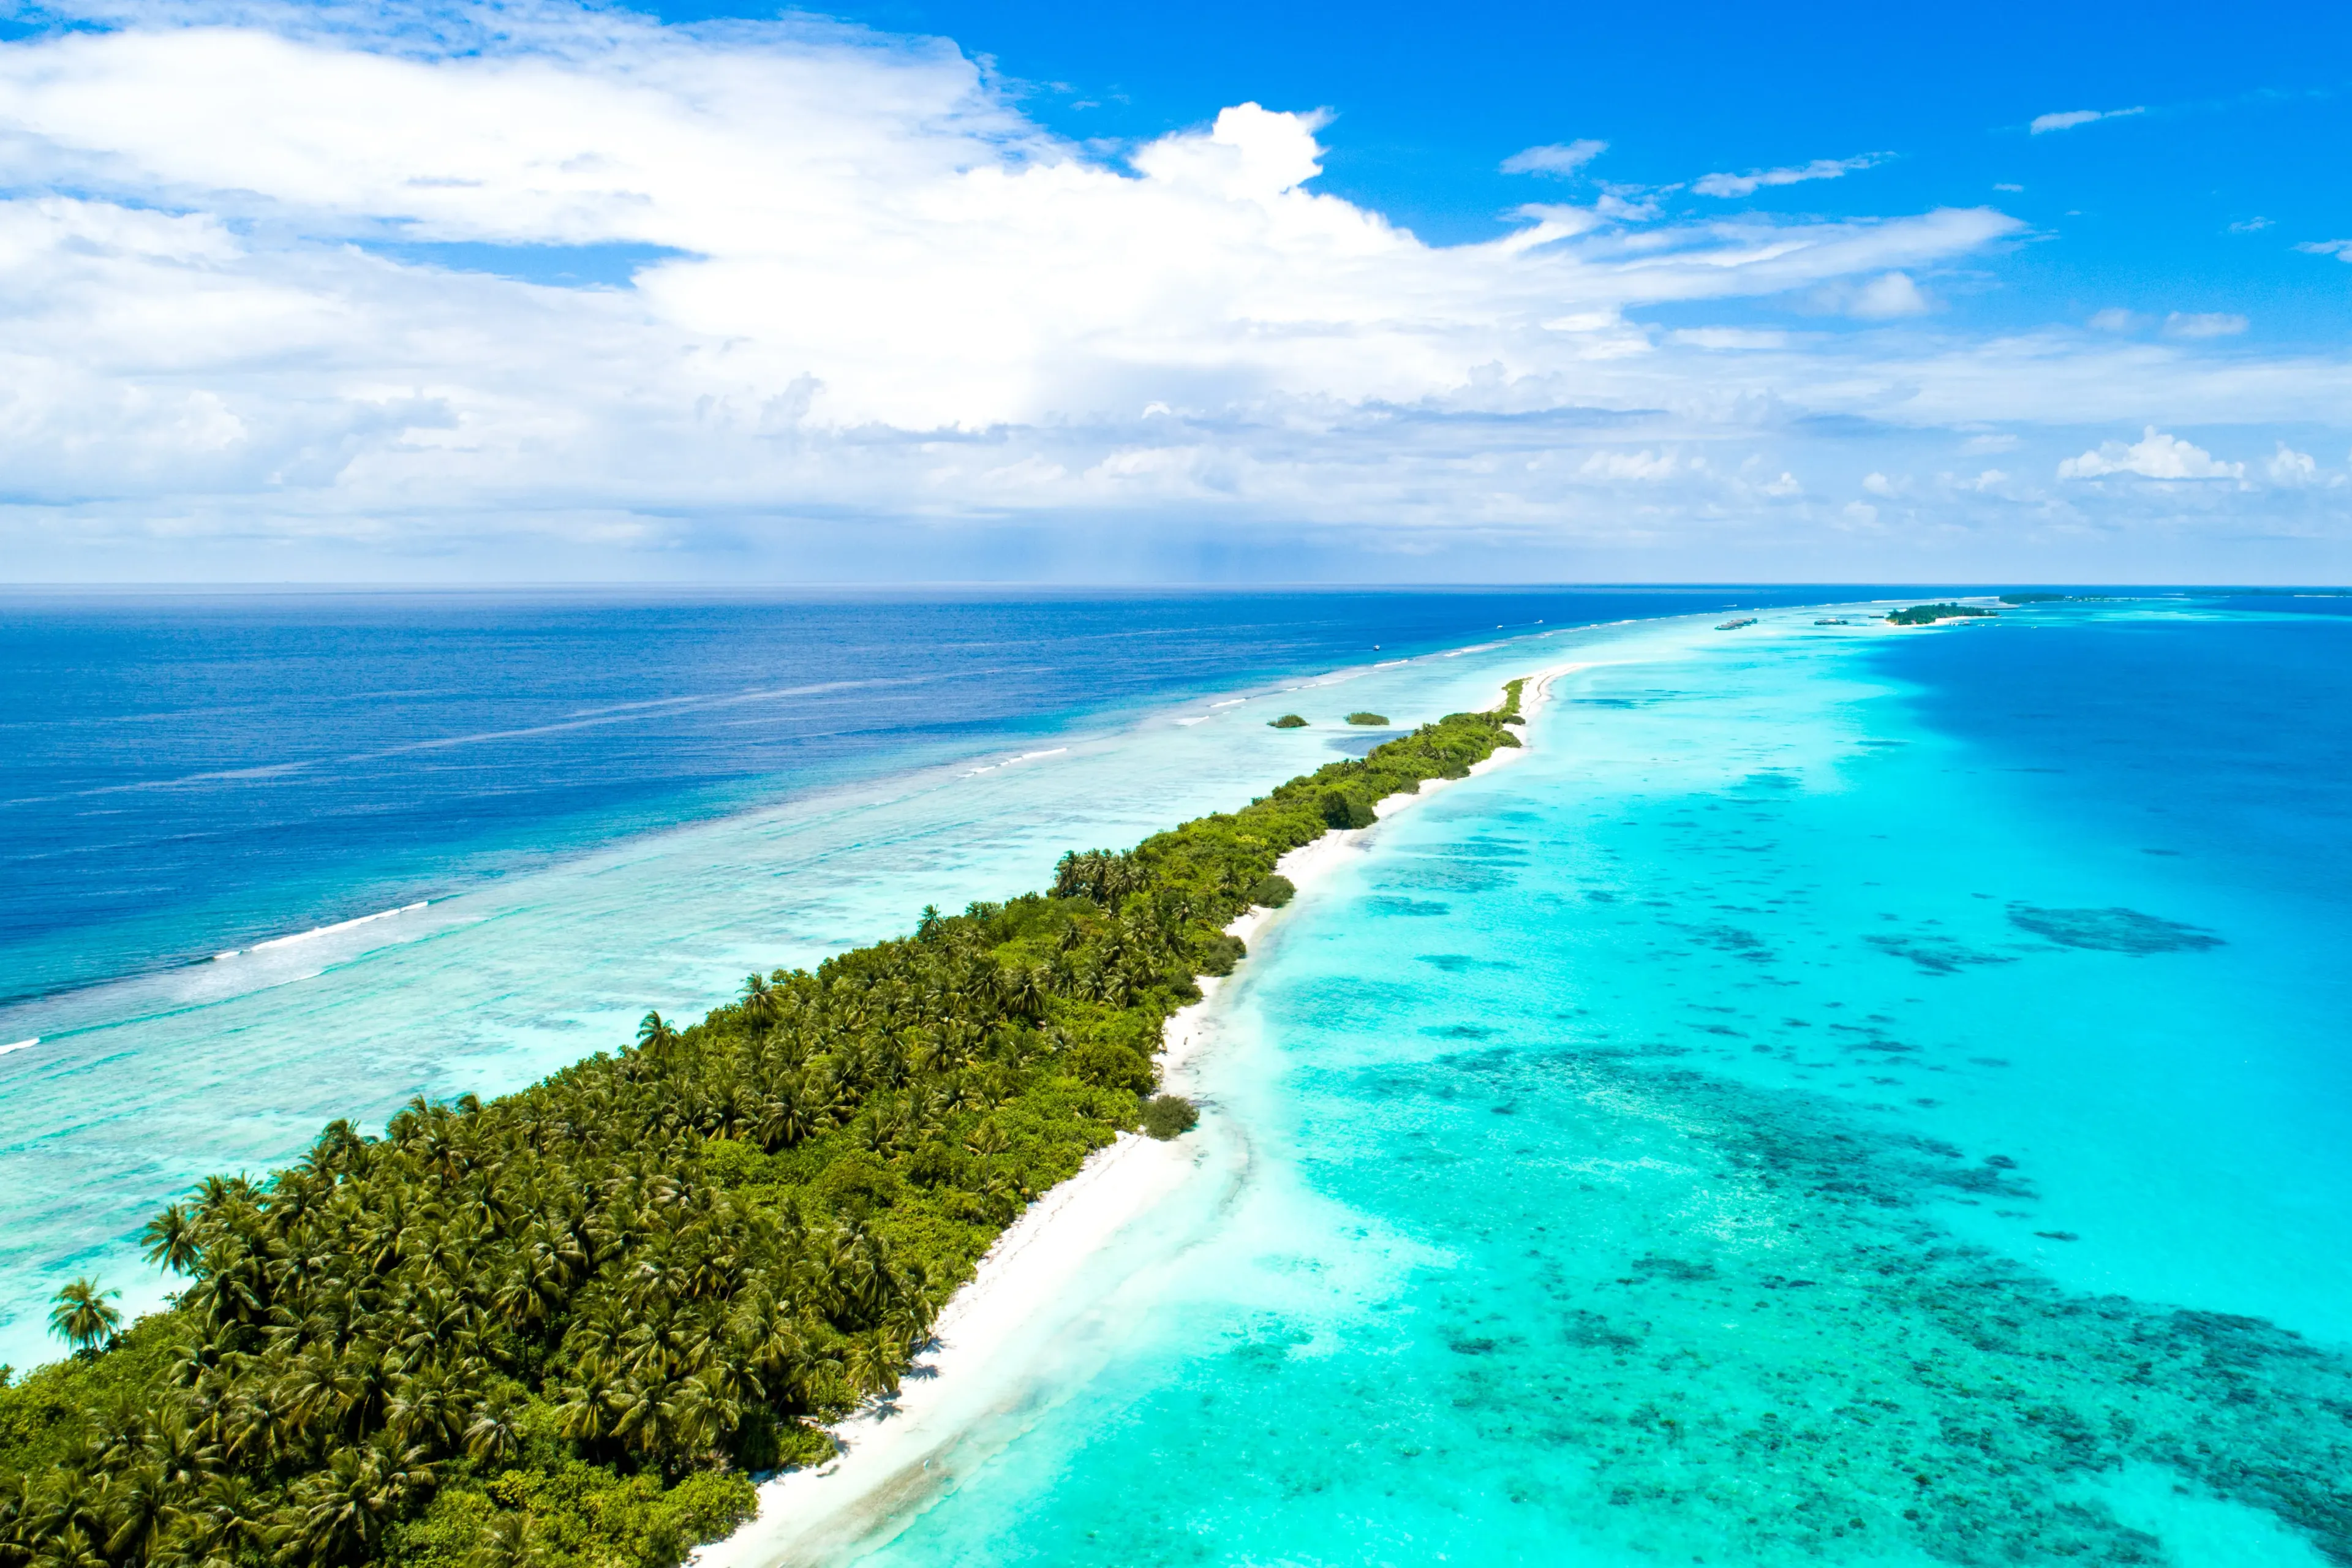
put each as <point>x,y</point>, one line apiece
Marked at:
<point>1884,298</point>
<point>2002,442</point>
<point>1733,339</point>
<point>2155,456</point>
<point>2113,320</point>
<point>2339,248</point>
<point>869,290</point>
<point>2250,225</point>
<point>1888,295</point>
<point>1644,465</point>
<point>865,240</point>
<point>1558,158</point>
<point>2289,466</point>
<point>2216,324</point>
<point>2067,120</point>
<point>1819,169</point>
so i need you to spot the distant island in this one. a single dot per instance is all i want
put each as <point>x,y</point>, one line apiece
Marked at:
<point>560,1329</point>
<point>1734,626</point>
<point>1928,614</point>
<point>1371,718</point>
<point>1287,721</point>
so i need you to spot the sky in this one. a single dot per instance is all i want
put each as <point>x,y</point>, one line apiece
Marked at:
<point>986,290</point>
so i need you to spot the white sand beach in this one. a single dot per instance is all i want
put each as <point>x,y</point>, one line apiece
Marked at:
<point>1033,1286</point>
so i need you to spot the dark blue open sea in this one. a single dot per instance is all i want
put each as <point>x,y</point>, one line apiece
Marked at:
<point>1844,1094</point>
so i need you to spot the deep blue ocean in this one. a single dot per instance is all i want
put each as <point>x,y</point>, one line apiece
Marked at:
<point>1842,1094</point>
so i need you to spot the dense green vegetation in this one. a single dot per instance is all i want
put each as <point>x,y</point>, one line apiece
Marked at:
<point>1924,615</point>
<point>557,1330</point>
<point>1287,721</point>
<point>1373,719</point>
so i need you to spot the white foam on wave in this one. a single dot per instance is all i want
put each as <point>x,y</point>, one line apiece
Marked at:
<point>317,932</point>
<point>1023,757</point>
<point>1230,703</point>
<point>20,1046</point>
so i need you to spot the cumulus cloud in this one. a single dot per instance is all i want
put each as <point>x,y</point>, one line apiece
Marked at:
<point>2289,466</point>
<point>2339,248</point>
<point>847,284</point>
<point>2155,456</point>
<point>2211,324</point>
<point>2066,120</point>
<point>1756,179</point>
<point>1558,158</point>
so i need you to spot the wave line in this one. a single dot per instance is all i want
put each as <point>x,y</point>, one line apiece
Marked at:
<point>329,930</point>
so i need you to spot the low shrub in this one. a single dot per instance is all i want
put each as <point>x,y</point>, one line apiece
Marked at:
<point>1287,721</point>
<point>1218,954</point>
<point>1375,719</point>
<point>1273,890</point>
<point>1167,1116</point>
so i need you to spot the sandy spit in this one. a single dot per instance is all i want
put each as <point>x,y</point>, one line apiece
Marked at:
<point>1032,1286</point>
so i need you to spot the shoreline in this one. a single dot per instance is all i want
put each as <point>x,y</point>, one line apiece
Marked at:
<point>990,1339</point>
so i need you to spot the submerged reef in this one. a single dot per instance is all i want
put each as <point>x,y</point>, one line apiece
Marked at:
<point>1753,1343</point>
<point>2112,929</point>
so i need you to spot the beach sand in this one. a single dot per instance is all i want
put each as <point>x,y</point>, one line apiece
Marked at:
<point>1034,1287</point>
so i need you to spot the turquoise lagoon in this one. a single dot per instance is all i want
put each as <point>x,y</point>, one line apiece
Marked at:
<point>1812,1108</point>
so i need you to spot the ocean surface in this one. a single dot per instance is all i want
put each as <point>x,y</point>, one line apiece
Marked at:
<point>1847,1095</point>
<point>267,860</point>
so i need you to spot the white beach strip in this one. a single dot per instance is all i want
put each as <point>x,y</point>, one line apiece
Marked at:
<point>20,1046</point>
<point>993,1337</point>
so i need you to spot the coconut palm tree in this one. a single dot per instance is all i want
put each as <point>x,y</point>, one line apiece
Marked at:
<point>171,1238</point>
<point>81,1317</point>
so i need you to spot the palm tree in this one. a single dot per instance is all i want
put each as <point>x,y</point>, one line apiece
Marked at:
<point>655,1036</point>
<point>171,1238</point>
<point>81,1317</point>
<point>508,1542</point>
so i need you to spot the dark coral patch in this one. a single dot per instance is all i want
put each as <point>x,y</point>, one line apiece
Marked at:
<point>2112,929</point>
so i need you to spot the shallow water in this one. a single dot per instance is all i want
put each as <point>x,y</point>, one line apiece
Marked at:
<point>1813,1109</point>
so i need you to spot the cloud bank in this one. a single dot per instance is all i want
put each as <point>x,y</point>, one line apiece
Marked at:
<point>284,297</point>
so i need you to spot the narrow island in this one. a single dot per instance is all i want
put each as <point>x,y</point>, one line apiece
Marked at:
<point>1930,614</point>
<point>1287,721</point>
<point>1375,721</point>
<point>563,1328</point>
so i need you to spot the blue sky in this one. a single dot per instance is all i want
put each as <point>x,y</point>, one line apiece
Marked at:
<point>1086,292</point>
